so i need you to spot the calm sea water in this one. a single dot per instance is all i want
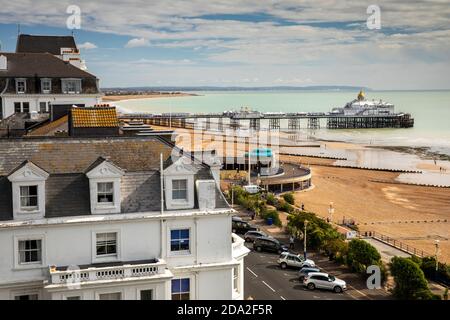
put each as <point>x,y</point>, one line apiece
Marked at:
<point>430,109</point>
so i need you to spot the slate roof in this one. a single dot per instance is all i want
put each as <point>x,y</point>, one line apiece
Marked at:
<point>96,117</point>
<point>42,44</point>
<point>42,65</point>
<point>68,159</point>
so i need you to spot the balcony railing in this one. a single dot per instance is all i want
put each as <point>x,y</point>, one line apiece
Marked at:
<point>75,275</point>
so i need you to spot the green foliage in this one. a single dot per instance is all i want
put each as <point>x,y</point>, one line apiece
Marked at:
<point>284,206</point>
<point>289,198</point>
<point>266,214</point>
<point>271,199</point>
<point>362,254</point>
<point>251,202</point>
<point>410,282</point>
<point>428,266</point>
<point>318,231</point>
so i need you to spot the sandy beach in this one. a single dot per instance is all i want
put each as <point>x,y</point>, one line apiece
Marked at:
<point>146,96</point>
<point>375,200</point>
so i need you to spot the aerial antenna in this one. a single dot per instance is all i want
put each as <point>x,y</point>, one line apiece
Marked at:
<point>18,29</point>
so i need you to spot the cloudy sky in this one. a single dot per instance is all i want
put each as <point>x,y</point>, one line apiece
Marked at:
<point>249,42</point>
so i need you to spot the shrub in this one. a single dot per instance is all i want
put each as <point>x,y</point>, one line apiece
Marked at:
<point>284,206</point>
<point>271,199</point>
<point>289,198</point>
<point>266,214</point>
<point>410,282</point>
<point>362,254</point>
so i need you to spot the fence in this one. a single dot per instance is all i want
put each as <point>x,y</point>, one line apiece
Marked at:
<point>397,244</point>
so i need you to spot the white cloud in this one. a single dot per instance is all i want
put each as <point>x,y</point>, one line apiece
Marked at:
<point>87,46</point>
<point>137,42</point>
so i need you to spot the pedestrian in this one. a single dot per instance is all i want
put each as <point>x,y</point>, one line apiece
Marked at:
<point>253,215</point>
<point>291,242</point>
<point>303,206</point>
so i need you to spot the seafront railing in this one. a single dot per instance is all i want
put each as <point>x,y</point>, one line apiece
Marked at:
<point>397,244</point>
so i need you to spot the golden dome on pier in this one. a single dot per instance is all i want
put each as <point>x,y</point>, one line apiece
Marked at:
<point>361,95</point>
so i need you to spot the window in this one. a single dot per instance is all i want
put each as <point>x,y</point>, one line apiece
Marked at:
<point>42,107</point>
<point>28,197</point>
<point>21,85</point>
<point>71,86</point>
<point>110,296</point>
<point>25,107</point>
<point>17,107</point>
<point>46,85</point>
<point>179,189</point>
<point>179,240</point>
<point>73,298</point>
<point>105,192</point>
<point>26,297</point>
<point>30,251</point>
<point>180,289</point>
<point>236,278</point>
<point>146,294</point>
<point>106,244</point>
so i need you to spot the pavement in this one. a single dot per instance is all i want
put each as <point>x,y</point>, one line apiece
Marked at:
<point>265,280</point>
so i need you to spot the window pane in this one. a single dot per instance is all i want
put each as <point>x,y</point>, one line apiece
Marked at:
<point>17,107</point>
<point>184,233</point>
<point>26,107</point>
<point>146,294</point>
<point>185,285</point>
<point>42,107</point>
<point>176,285</point>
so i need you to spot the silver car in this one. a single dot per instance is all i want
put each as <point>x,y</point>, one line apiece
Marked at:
<point>322,280</point>
<point>288,259</point>
<point>250,236</point>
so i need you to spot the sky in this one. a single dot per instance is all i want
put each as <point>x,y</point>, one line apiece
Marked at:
<point>249,42</point>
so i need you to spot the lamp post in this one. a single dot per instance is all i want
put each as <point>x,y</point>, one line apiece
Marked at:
<point>330,212</point>
<point>293,183</point>
<point>304,239</point>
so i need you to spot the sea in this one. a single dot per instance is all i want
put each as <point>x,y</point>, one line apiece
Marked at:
<point>430,110</point>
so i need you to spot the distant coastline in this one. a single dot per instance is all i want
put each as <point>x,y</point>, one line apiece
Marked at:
<point>150,95</point>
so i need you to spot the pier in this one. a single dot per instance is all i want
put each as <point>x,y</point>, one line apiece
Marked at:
<point>271,121</point>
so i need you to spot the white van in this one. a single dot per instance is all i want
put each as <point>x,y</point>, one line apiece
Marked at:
<point>252,188</point>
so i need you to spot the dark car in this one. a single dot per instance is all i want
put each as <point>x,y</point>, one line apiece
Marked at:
<point>269,244</point>
<point>240,226</point>
<point>250,236</point>
<point>305,271</point>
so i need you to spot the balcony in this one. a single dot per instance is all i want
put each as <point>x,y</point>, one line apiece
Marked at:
<point>108,272</point>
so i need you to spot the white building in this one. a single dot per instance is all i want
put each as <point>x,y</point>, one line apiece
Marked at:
<point>81,218</point>
<point>45,72</point>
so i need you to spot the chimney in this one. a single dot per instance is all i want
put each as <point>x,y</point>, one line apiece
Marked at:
<point>3,63</point>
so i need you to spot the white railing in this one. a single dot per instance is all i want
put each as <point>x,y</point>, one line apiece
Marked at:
<point>74,275</point>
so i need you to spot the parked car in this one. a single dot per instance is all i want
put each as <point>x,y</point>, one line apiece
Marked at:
<point>252,188</point>
<point>240,226</point>
<point>288,259</point>
<point>250,236</point>
<point>322,280</point>
<point>305,271</point>
<point>269,244</point>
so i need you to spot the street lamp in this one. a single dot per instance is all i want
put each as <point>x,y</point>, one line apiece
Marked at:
<point>304,239</point>
<point>330,212</point>
<point>293,183</point>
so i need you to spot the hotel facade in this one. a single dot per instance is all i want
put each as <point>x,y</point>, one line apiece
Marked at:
<point>81,218</point>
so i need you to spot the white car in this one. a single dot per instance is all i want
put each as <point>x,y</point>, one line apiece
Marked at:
<point>288,259</point>
<point>252,188</point>
<point>322,280</point>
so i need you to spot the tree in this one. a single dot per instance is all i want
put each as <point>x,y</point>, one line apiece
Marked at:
<point>362,254</point>
<point>289,198</point>
<point>410,282</point>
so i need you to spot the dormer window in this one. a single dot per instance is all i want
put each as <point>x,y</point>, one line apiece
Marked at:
<point>105,192</point>
<point>29,198</point>
<point>46,85</point>
<point>179,185</point>
<point>28,189</point>
<point>21,85</point>
<point>104,185</point>
<point>179,189</point>
<point>71,86</point>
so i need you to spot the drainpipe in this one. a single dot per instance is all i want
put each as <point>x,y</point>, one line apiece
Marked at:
<point>162,207</point>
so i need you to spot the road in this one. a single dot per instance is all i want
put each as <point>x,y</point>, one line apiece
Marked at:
<point>265,280</point>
